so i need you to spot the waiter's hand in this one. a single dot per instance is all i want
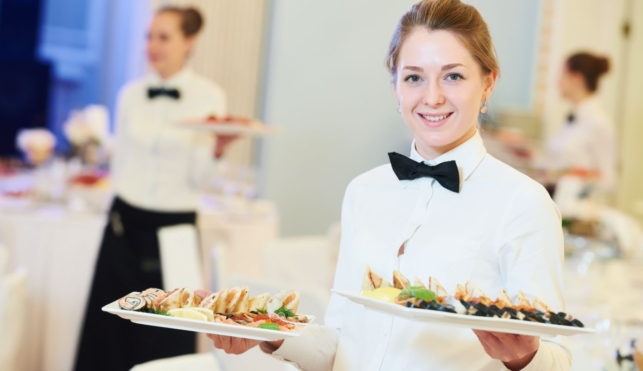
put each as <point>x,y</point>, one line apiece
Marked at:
<point>232,345</point>
<point>515,351</point>
<point>222,143</point>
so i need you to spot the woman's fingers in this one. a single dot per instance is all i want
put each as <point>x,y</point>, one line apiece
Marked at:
<point>232,345</point>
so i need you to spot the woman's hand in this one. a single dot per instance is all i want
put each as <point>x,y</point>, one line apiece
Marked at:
<point>221,144</point>
<point>515,351</point>
<point>232,345</point>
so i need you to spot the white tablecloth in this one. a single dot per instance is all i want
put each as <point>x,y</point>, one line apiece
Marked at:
<point>59,249</point>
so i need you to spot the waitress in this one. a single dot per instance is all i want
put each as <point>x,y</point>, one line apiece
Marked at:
<point>587,141</point>
<point>450,211</point>
<point>158,168</point>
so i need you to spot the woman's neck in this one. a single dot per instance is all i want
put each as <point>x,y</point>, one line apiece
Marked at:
<point>169,72</point>
<point>580,96</point>
<point>431,153</point>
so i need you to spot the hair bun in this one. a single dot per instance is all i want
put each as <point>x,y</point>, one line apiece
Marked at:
<point>604,64</point>
<point>192,21</point>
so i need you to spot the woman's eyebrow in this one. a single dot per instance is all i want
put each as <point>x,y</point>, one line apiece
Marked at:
<point>451,66</point>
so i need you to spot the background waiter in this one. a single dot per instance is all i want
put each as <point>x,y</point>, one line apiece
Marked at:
<point>157,170</point>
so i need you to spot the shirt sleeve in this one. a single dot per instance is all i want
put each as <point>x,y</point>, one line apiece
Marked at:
<point>531,261</point>
<point>316,348</point>
<point>202,160</point>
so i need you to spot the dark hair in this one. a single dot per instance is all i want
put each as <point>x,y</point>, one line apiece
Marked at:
<point>450,15</point>
<point>590,66</point>
<point>191,19</point>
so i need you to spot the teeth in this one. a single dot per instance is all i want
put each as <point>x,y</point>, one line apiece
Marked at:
<point>435,118</point>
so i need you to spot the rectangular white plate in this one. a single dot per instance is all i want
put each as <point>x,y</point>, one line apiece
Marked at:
<point>229,128</point>
<point>245,332</point>
<point>460,320</point>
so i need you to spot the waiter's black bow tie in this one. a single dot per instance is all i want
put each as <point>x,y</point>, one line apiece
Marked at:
<point>445,173</point>
<point>158,92</point>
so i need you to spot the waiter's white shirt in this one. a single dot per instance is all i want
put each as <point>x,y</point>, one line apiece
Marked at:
<point>589,142</point>
<point>502,231</point>
<point>158,165</point>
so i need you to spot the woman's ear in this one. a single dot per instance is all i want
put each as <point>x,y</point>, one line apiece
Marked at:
<point>488,84</point>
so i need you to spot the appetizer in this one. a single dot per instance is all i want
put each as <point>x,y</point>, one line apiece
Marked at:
<point>232,306</point>
<point>468,300</point>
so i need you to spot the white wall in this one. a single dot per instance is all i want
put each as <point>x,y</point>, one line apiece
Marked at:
<point>327,88</point>
<point>514,29</point>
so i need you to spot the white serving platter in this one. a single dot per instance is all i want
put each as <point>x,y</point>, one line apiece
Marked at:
<point>229,128</point>
<point>175,323</point>
<point>461,320</point>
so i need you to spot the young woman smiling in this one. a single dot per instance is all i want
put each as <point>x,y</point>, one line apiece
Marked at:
<point>450,211</point>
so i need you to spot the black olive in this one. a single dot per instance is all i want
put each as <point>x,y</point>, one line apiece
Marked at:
<point>410,304</point>
<point>565,322</point>
<point>562,314</point>
<point>447,308</point>
<point>482,308</point>
<point>555,320</point>
<point>577,323</point>
<point>434,305</point>
<point>511,311</point>
<point>534,319</point>
<point>538,313</point>
<point>424,304</point>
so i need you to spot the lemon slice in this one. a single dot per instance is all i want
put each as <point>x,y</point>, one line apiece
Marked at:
<point>383,293</point>
<point>209,314</point>
<point>187,314</point>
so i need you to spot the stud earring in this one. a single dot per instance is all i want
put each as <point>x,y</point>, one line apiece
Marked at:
<point>484,108</point>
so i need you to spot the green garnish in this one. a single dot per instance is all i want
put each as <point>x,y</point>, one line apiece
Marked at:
<point>262,311</point>
<point>269,326</point>
<point>285,311</point>
<point>160,312</point>
<point>417,292</point>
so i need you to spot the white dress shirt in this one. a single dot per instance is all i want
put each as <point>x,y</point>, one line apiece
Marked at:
<point>158,165</point>
<point>502,231</point>
<point>589,142</point>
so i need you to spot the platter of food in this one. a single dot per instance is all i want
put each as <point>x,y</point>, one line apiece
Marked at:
<point>229,312</point>
<point>229,125</point>
<point>469,307</point>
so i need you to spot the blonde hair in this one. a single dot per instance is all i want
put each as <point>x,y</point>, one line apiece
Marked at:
<point>449,15</point>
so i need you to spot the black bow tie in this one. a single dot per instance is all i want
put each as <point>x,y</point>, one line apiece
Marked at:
<point>157,92</point>
<point>445,173</point>
<point>571,118</point>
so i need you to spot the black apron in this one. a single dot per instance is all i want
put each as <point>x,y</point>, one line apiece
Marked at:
<point>128,261</point>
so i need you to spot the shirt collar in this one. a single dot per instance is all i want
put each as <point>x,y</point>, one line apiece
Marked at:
<point>176,80</point>
<point>467,156</point>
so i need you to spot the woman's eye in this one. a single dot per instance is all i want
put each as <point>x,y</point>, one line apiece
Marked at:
<point>454,77</point>
<point>412,78</point>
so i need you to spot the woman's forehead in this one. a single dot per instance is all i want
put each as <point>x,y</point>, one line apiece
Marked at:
<point>427,49</point>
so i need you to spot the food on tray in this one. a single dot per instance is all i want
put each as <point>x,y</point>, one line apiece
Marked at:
<point>229,306</point>
<point>467,300</point>
<point>229,119</point>
<point>373,281</point>
<point>383,293</point>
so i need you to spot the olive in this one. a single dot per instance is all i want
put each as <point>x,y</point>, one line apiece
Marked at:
<point>434,305</point>
<point>577,323</point>
<point>511,311</point>
<point>555,320</point>
<point>424,304</point>
<point>409,304</point>
<point>447,308</point>
<point>482,308</point>
<point>562,314</point>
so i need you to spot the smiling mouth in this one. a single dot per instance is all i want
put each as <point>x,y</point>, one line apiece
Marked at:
<point>435,118</point>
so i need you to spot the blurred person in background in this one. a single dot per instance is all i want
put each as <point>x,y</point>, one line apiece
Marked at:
<point>586,144</point>
<point>157,171</point>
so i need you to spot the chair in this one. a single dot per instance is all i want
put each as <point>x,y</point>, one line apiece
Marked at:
<point>190,362</point>
<point>180,257</point>
<point>4,259</point>
<point>13,305</point>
